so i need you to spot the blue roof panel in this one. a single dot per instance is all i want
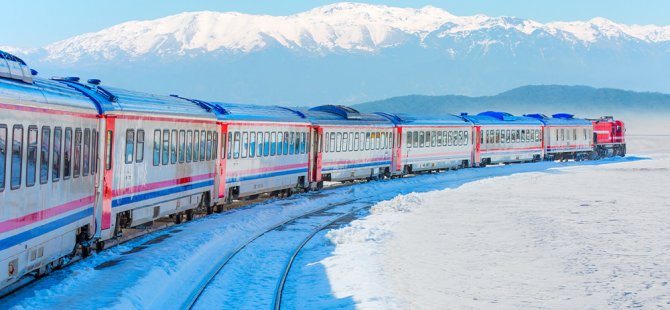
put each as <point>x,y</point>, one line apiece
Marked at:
<point>501,118</point>
<point>561,119</point>
<point>425,120</point>
<point>341,115</point>
<point>250,112</point>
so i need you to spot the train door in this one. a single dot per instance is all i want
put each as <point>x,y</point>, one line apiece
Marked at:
<point>478,139</point>
<point>315,156</point>
<point>221,171</point>
<point>397,150</point>
<point>103,212</point>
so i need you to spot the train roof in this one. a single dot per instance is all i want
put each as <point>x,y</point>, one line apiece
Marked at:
<point>40,92</point>
<point>343,115</point>
<point>500,118</point>
<point>425,120</point>
<point>560,119</point>
<point>250,112</point>
<point>114,100</point>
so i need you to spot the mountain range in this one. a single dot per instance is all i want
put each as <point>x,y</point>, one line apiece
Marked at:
<point>350,52</point>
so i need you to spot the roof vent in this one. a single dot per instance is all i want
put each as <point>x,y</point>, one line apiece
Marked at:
<point>503,116</point>
<point>343,111</point>
<point>33,72</point>
<point>94,81</point>
<point>537,116</point>
<point>72,78</point>
<point>464,113</point>
<point>563,116</point>
<point>14,68</point>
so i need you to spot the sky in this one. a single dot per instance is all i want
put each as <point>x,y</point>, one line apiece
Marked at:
<point>37,23</point>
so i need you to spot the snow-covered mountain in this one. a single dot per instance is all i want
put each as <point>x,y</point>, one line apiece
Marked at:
<point>431,51</point>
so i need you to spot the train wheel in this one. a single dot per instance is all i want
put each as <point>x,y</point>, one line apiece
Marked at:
<point>189,215</point>
<point>178,217</point>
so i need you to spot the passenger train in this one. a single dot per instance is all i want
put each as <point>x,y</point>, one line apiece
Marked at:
<point>79,162</point>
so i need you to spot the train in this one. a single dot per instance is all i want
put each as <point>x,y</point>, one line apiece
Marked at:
<point>80,162</point>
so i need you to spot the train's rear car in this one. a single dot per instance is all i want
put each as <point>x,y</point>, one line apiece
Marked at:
<point>48,166</point>
<point>566,137</point>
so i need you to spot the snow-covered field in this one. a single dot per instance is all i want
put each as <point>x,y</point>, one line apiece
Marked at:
<point>576,237</point>
<point>548,235</point>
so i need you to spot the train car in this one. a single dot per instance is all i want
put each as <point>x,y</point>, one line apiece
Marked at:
<point>504,138</point>
<point>431,142</point>
<point>609,137</point>
<point>48,166</point>
<point>159,157</point>
<point>355,145</point>
<point>265,149</point>
<point>565,137</point>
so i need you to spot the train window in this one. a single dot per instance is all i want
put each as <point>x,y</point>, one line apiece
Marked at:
<point>77,152</point>
<point>466,138</point>
<point>327,142</point>
<point>378,140</point>
<point>94,151</point>
<point>508,136</point>
<point>139,148</point>
<point>351,141</point>
<point>439,138</point>
<point>585,136</point>
<point>55,165</point>
<point>421,138</point>
<point>252,144</point>
<point>31,163</point>
<point>332,142</point>
<point>87,152</point>
<point>528,135</point>
<point>366,143</point>
<point>45,150</point>
<point>532,136</point>
<point>338,142</point>
<point>574,134</point>
<point>215,143</point>
<point>209,145</point>
<point>391,139</point>
<point>385,140</point>
<point>203,141</point>
<point>223,145</point>
<point>409,139</point>
<point>557,135</point>
<point>266,144</point>
<point>538,136</point>
<point>236,145</point>
<point>523,135</point>
<point>173,146</point>
<point>157,147</point>
<point>280,142</point>
<point>67,154</point>
<point>273,143</point>
<point>518,136</point>
<point>303,141</point>
<point>297,143</point>
<point>433,139</point>
<point>345,141</point>
<point>260,142</point>
<point>17,156</point>
<point>230,145</point>
<point>356,138</point>
<point>189,146</point>
<point>165,154</point>
<point>196,145</point>
<point>292,147</point>
<point>3,155</point>
<point>286,143</point>
<point>108,151</point>
<point>182,145</point>
<point>562,134</point>
<point>245,144</point>
<point>449,139</point>
<point>130,145</point>
<point>502,136</point>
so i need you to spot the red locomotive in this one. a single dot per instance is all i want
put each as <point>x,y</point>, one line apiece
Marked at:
<point>608,137</point>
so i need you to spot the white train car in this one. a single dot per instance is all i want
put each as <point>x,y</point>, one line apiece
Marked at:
<point>355,145</point>
<point>159,157</point>
<point>504,138</point>
<point>265,149</point>
<point>566,137</point>
<point>431,142</point>
<point>47,169</point>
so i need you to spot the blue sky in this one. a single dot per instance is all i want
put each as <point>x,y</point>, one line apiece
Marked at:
<point>39,22</point>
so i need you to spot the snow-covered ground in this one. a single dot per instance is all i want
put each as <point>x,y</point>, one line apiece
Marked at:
<point>539,235</point>
<point>586,237</point>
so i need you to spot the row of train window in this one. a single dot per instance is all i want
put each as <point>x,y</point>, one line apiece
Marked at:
<point>567,134</point>
<point>262,144</point>
<point>354,141</point>
<point>172,146</point>
<point>73,149</point>
<point>492,136</point>
<point>433,138</point>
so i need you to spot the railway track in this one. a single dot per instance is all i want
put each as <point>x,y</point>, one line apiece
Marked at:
<point>328,220</point>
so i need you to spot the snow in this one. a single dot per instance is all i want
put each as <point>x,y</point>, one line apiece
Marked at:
<point>351,27</point>
<point>593,236</point>
<point>505,236</point>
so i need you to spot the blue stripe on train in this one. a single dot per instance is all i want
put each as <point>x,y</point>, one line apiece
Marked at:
<point>265,175</point>
<point>341,167</point>
<point>43,229</point>
<point>150,195</point>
